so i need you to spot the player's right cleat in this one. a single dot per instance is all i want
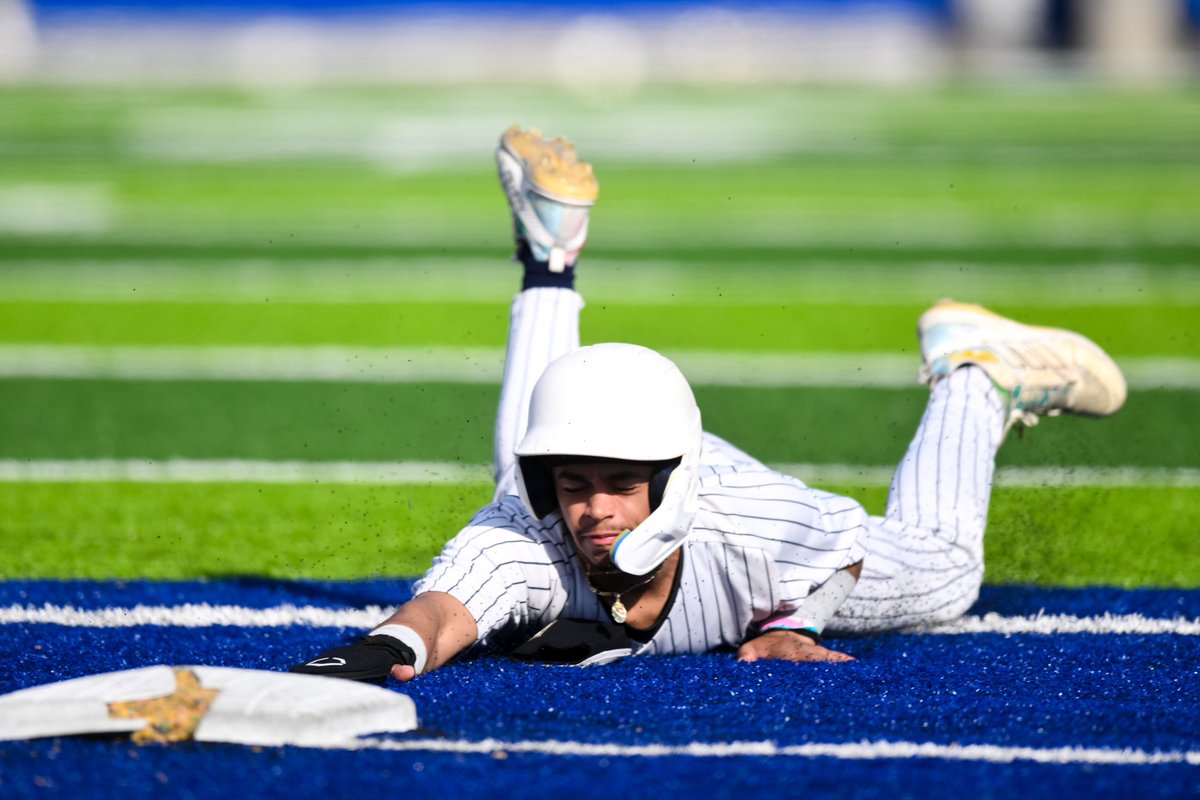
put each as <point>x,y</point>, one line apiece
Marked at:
<point>1039,371</point>
<point>550,192</point>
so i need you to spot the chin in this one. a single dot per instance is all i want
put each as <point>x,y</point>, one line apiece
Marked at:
<point>595,558</point>
<point>600,560</point>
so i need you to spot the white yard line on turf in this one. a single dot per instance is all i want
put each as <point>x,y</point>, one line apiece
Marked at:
<point>1006,477</point>
<point>196,615</point>
<point>203,615</point>
<point>857,751</point>
<point>384,473</point>
<point>483,365</point>
<point>178,470</point>
<point>419,279</point>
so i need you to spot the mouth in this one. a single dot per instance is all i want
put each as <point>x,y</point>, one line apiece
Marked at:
<point>603,538</point>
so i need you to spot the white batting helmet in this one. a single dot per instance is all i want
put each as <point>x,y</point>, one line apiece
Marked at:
<point>625,402</point>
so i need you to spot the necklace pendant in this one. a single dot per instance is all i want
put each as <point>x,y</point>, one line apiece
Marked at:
<point>619,614</point>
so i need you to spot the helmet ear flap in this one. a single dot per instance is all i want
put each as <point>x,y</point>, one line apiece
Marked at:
<point>538,482</point>
<point>658,481</point>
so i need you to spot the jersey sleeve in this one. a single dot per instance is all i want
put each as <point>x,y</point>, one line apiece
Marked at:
<point>505,568</point>
<point>809,534</point>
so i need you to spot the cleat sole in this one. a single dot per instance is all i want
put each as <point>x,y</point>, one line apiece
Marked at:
<point>551,167</point>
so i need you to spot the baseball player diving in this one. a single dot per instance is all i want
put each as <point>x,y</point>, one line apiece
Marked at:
<point>619,526</point>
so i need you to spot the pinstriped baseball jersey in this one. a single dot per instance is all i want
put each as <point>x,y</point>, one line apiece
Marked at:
<point>760,543</point>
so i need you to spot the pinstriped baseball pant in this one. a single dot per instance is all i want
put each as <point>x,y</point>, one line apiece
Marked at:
<point>925,555</point>
<point>924,559</point>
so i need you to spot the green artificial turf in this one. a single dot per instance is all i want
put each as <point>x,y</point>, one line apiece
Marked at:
<point>1084,536</point>
<point>746,164</point>
<point>162,531</point>
<point>1077,537</point>
<point>784,326</point>
<point>823,220</point>
<point>47,419</point>
<point>1050,536</point>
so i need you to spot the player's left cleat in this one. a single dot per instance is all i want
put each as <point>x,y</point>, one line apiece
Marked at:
<point>1039,371</point>
<point>550,192</point>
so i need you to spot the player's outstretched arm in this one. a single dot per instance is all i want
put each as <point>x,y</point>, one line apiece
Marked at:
<point>422,635</point>
<point>795,635</point>
<point>444,624</point>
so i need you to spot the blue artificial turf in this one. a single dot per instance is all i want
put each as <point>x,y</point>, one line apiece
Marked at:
<point>1040,691</point>
<point>1054,691</point>
<point>100,769</point>
<point>251,592</point>
<point>256,592</point>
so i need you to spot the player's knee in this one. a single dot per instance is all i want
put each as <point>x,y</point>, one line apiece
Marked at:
<point>960,603</point>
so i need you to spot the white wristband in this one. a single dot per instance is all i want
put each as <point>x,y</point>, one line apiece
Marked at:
<point>410,638</point>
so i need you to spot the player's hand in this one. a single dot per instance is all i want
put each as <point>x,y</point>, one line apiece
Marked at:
<point>787,646</point>
<point>370,660</point>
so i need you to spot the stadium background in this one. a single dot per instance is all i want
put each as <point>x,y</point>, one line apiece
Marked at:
<point>253,290</point>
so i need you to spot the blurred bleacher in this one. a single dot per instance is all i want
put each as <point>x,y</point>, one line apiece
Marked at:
<point>607,44</point>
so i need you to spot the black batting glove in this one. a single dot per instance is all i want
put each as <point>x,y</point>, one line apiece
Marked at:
<point>369,660</point>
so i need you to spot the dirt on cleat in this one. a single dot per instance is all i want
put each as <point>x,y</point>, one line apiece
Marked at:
<point>553,169</point>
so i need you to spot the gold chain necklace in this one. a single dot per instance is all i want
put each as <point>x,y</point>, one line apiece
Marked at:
<point>617,608</point>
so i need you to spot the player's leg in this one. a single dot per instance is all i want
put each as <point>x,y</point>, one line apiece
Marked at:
<point>550,193</point>
<point>543,325</point>
<point>986,373</point>
<point>925,557</point>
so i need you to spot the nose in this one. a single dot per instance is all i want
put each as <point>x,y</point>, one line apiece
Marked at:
<point>600,505</point>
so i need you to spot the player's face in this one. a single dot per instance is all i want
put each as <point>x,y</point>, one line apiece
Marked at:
<point>601,500</point>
